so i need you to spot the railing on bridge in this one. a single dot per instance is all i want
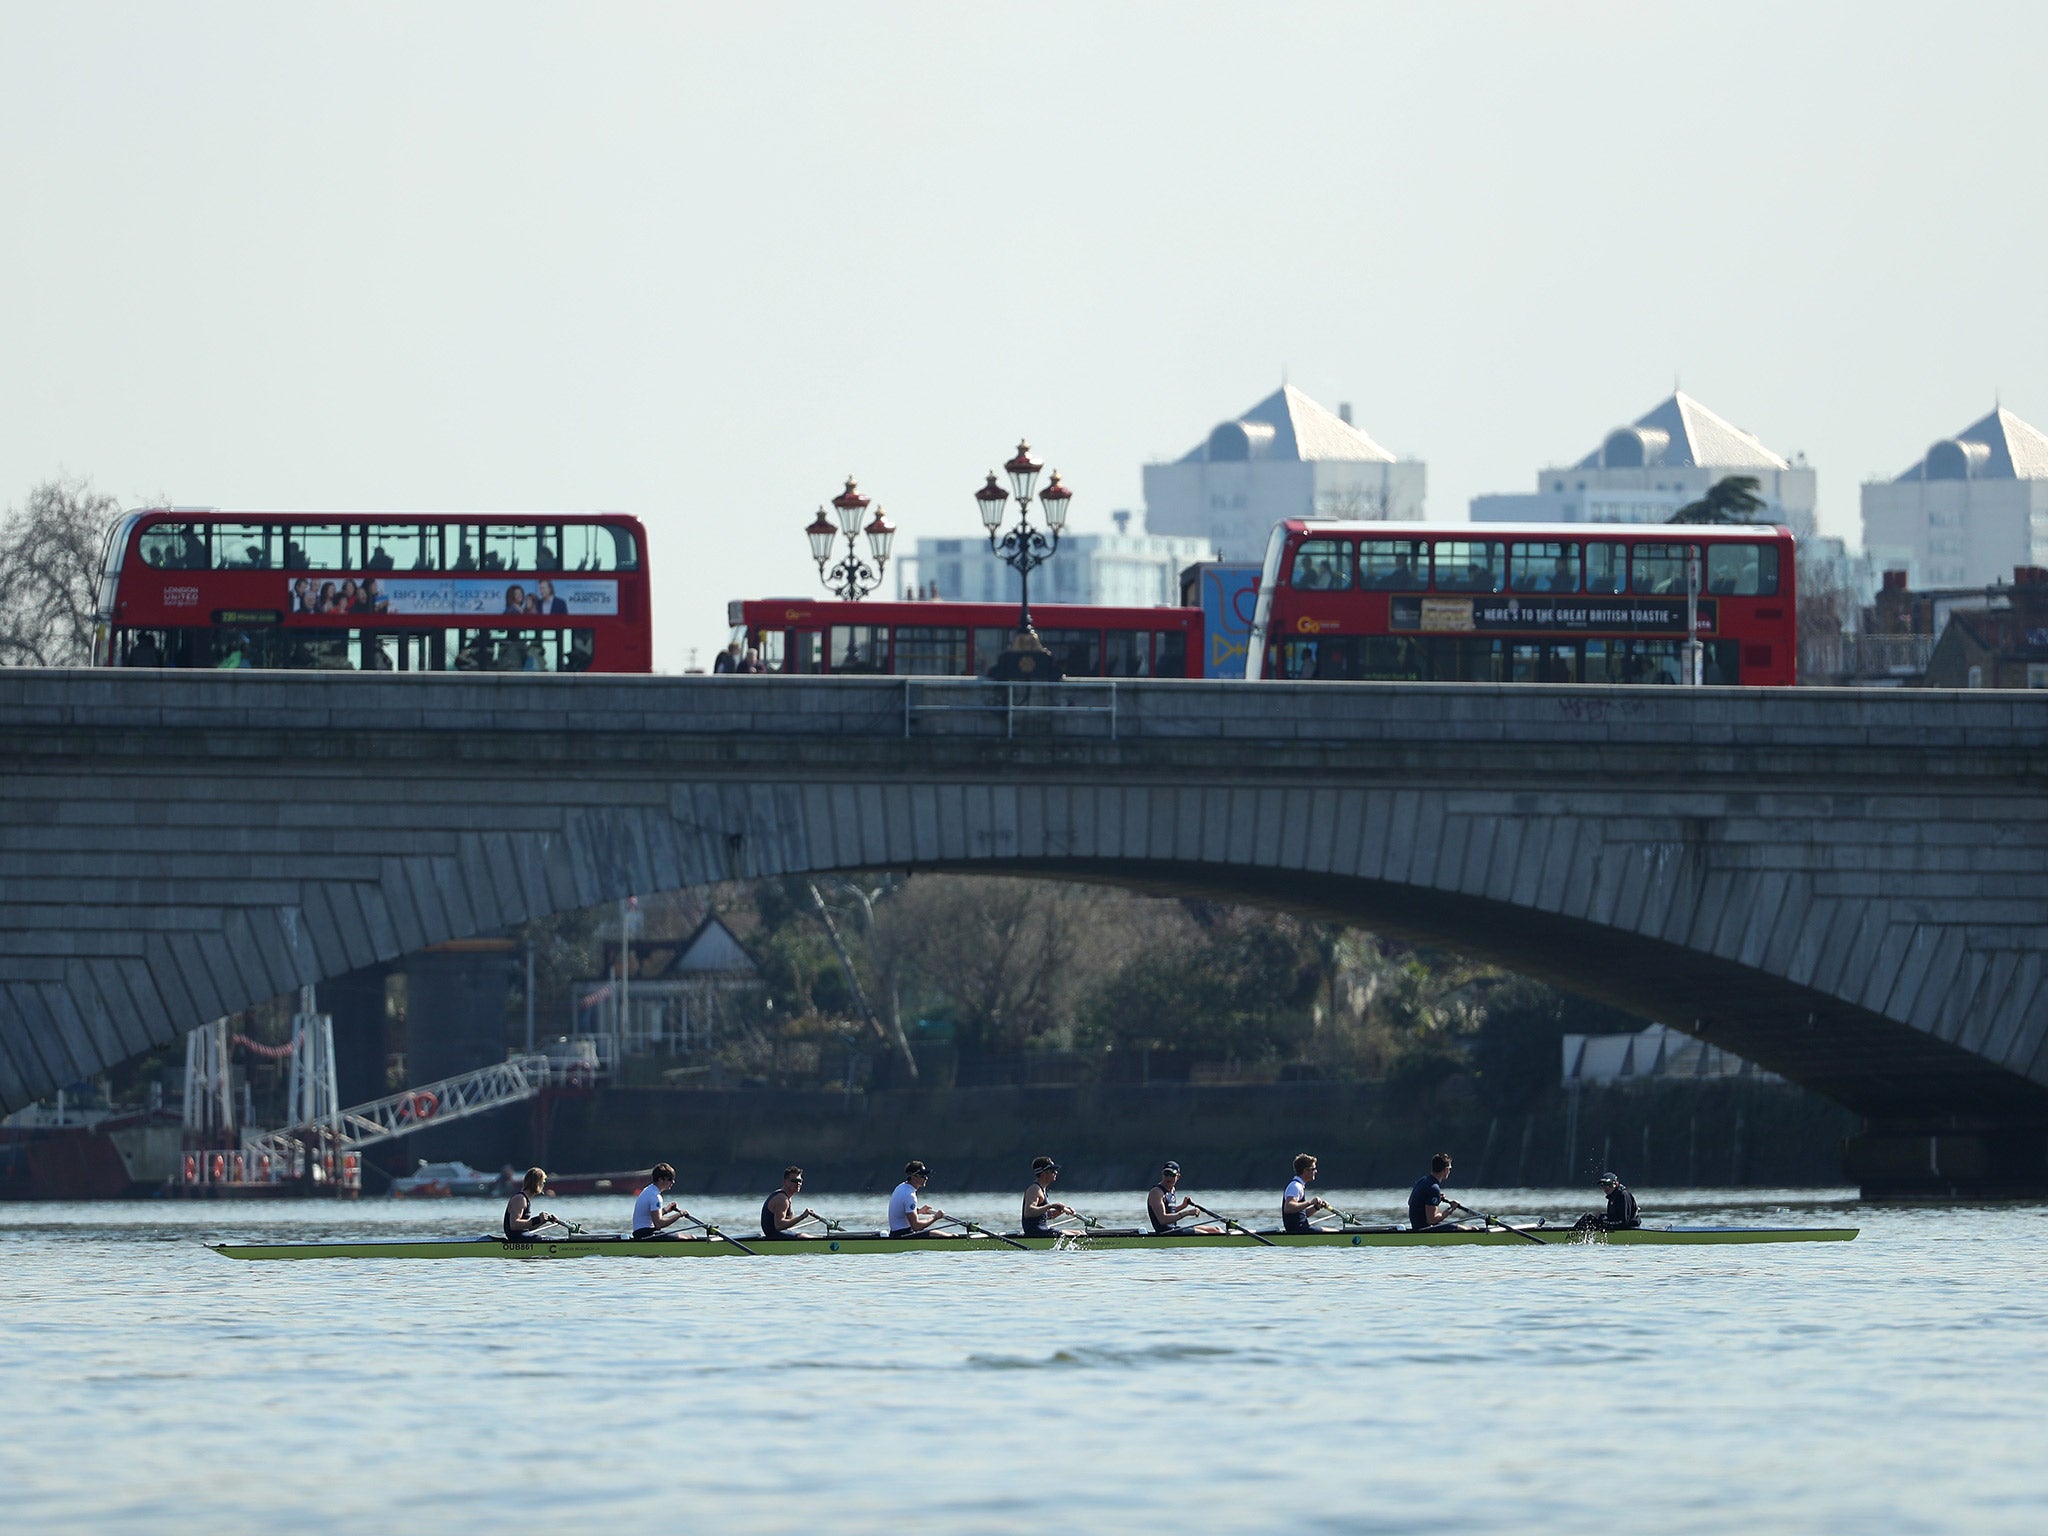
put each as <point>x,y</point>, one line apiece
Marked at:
<point>1831,658</point>
<point>972,706</point>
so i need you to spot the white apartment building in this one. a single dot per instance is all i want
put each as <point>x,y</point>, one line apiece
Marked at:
<point>1285,457</point>
<point>1644,472</point>
<point>1973,508</point>
<point>1121,569</point>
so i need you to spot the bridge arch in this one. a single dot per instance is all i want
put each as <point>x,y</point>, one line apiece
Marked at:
<point>1823,882</point>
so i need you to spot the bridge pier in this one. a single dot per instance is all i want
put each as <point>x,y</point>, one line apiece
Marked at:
<point>355,1002</point>
<point>1948,1160</point>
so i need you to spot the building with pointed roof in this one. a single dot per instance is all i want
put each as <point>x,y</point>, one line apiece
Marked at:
<point>1287,456</point>
<point>1974,507</point>
<point>1647,470</point>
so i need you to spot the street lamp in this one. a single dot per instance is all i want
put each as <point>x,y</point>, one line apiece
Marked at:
<point>1024,548</point>
<point>852,578</point>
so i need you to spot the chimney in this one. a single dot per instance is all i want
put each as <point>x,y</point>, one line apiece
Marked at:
<point>1344,412</point>
<point>2028,576</point>
<point>1122,521</point>
<point>1895,581</point>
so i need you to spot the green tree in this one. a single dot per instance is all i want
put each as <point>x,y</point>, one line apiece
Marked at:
<point>1733,500</point>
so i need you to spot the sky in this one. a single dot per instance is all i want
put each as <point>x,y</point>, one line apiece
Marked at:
<point>700,263</point>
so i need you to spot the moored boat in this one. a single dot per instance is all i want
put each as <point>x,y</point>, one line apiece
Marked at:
<point>699,1246</point>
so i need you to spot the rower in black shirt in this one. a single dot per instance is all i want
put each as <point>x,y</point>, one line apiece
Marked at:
<point>1038,1209</point>
<point>1428,1210</point>
<point>1620,1214</point>
<point>779,1215</point>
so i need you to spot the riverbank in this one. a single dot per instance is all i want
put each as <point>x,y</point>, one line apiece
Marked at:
<point>1680,1135</point>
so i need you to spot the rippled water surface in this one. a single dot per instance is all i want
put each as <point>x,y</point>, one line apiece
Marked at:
<point>1895,1384</point>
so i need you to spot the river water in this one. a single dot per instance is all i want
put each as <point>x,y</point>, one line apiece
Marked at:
<point>1895,1384</point>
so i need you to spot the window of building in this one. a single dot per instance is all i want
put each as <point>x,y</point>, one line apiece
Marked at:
<point>1322,565</point>
<point>1470,567</point>
<point>1393,565</point>
<point>1543,567</point>
<point>1976,677</point>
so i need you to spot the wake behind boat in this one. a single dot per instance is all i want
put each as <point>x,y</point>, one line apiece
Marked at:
<point>1099,1240</point>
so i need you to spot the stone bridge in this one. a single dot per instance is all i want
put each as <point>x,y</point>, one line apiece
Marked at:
<point>1848,887</point>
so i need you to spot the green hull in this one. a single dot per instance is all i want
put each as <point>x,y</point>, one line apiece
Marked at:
<point>825,1247</point>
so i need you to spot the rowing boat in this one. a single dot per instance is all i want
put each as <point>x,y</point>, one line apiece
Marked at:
<point>852,1243</point>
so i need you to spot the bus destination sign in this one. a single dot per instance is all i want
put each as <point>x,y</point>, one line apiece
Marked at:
<point>1545,615</point>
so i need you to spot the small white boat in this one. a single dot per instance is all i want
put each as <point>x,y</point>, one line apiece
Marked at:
<point>438,1180</point>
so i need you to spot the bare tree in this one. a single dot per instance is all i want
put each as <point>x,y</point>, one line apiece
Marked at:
<point>50,557</point>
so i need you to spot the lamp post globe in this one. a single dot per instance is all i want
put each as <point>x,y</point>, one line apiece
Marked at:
<point>852,578</point>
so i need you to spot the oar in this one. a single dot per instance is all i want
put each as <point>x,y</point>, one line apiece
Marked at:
<point>1235,1226</point>
<point>1495,1221</point>
<point>711,1231</point>
<point>824,1221</point>
<point>984,1231</point>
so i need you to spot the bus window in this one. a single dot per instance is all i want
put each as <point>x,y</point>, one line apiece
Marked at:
<point>462,547</point>
<point>1607,568</point>
<point>1079,650</point>
<point>401,547</point>
<point>1127,653</point>
<point>1544,661</point>
<point>1393,565</point>
<point>859,648</point>
<point>1465,661</point>
<point>1659,569</point>
<point>313,547</point>
<point>1470,567</point>
<point>595,547</point>
<point>522,547</point>
<point>988,645</point>
<point>1543,567</point>
<point>1322,565</point>
<point>241,547</point>
<point>1742,570</point>
<point>926,652</point>
<point>173,547</point>
<point>1170,654</point>
<point>806,647</point>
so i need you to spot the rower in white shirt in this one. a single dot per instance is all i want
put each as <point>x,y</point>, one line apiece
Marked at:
<point>650,1215</point>
<point>907,1216</point>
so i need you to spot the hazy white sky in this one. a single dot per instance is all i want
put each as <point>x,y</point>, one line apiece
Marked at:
<point>700,262</point>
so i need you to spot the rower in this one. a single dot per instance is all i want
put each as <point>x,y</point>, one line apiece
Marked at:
<point>1166,1211</point>
<point>1620,1214</point>
<point>778,1213</point>
<point>1038,1210</point>
<point>650,1215</point>
<point>1428,1210</point>
<point>908,1218</point>
<point>521,1219</point>
<point>1296,1203</point>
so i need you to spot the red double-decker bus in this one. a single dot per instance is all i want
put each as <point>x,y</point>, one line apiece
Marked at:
<point>1525,603</point>
<point>376,592</point>
<point>945,639</point>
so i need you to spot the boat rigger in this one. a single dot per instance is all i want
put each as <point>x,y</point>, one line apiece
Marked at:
<point>1099,1240</point>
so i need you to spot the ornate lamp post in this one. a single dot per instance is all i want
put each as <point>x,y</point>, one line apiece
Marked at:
<point>852,578</point>
<point>1024,548</point>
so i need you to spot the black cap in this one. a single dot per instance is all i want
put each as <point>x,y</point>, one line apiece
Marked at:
<point>1171,1167</point>
<point>1040,1164</point>
<point>913,1168</point>
<point>1608,1178</point>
